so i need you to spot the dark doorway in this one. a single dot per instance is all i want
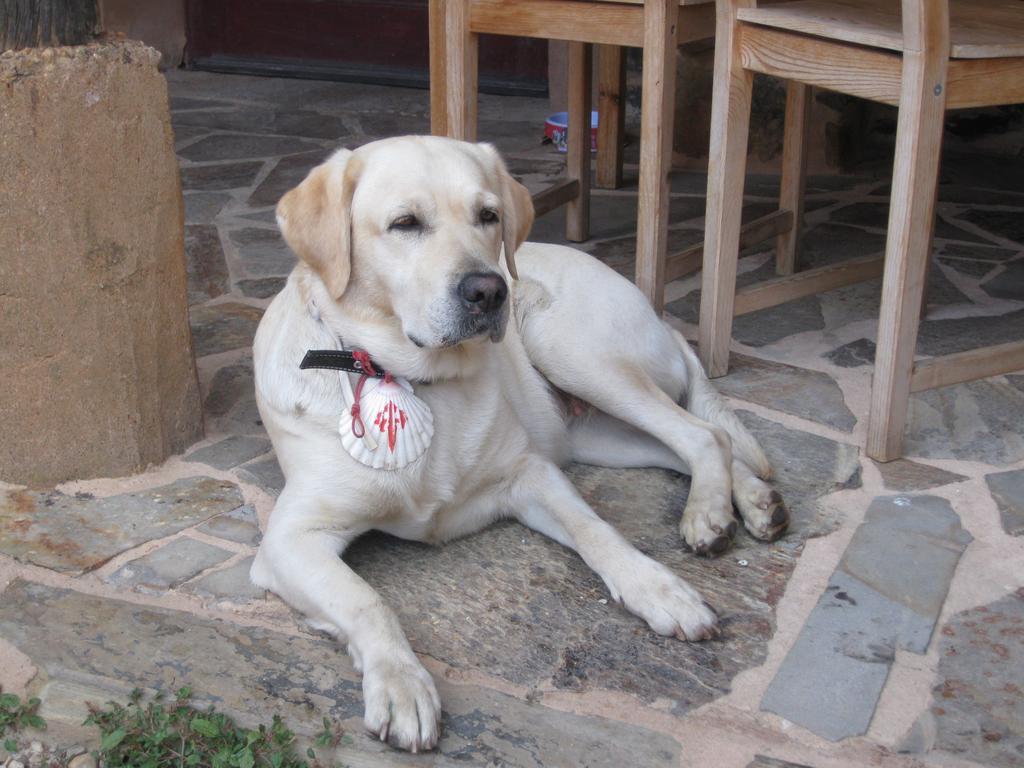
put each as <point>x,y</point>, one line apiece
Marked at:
<point>377,41</point>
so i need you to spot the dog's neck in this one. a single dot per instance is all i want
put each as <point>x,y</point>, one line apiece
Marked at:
<point>383,338</point>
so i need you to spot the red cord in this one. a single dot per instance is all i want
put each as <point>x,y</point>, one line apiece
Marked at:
<point>362,357</point>
<point>358,428</point>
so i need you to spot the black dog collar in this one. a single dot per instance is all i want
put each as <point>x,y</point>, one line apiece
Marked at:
<point>342,360</point>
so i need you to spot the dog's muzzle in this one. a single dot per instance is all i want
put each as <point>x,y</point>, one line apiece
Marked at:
<point>482,293</point>
<point>483,297</point>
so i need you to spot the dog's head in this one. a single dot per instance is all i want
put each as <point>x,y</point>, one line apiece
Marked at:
<point>412,229</point>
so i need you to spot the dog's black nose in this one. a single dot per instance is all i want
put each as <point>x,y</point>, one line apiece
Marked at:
<point>483,292</point>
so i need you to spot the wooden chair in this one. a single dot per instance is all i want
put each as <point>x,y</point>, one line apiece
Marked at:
<point>657,26</point>
<point>924,56</point>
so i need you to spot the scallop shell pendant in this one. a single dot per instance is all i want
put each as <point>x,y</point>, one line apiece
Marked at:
<point>397,426</point>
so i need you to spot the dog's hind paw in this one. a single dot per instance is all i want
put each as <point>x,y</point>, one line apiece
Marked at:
<point>763,511</point>
<point>708,529</point>
<point>402,705</point>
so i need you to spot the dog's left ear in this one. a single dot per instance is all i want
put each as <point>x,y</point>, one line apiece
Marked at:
<point>516,213</point>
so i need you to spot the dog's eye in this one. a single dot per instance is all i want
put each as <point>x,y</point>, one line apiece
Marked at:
<point>405,223</point>
<point>488,216</point>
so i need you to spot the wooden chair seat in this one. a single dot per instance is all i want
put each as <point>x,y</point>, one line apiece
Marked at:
<point>979,29</point>
<point>641,2</point>
<point>924,56</point>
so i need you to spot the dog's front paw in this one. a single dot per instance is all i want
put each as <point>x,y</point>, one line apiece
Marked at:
<point>667,603</point>
<point>402,705</point>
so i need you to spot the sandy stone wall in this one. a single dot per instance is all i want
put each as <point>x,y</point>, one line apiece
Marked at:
<point>97,376</point>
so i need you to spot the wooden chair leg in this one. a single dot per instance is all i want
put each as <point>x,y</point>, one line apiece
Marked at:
<point>911,218</point>
<point>727,158</point>
<point>611,97</point>
<point>794,170</point>
<point>657,114</point>
<point>438,76</point>
<point>460,71</point>
<point>577,212</point>
<point>929,264</point>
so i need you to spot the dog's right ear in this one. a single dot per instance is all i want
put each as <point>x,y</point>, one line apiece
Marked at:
<point>316,219</point>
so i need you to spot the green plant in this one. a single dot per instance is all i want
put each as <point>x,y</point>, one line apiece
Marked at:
<point>15,715</point>
<point>155,734</point>
<point>332,735</point>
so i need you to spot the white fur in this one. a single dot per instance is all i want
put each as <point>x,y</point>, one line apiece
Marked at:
<point>501,432</point>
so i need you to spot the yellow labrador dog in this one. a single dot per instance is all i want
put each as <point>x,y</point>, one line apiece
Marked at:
<point>424,372</point>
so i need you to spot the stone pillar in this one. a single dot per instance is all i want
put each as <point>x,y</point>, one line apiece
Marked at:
<point>97,376</point>
<point>159,23</point>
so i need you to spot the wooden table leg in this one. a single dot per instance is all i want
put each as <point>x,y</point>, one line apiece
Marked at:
<point>577,213</point>
<point>911,218</point>
<point>611,106</point>
<point>461,47</point>
<point>727,159</point>
<point>794,173</point>
<point>438,77</point>
<point>657,110</point>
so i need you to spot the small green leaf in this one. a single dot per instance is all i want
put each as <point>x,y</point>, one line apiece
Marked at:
<point>112,739</point>
<point>347,740</point>
<point>310,753</point>
<point>10,745</point>
<point>207,728</point>
<point>247,760</point>
<point>9,701</point>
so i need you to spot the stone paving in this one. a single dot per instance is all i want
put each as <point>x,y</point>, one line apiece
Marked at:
<point>885,629</point>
